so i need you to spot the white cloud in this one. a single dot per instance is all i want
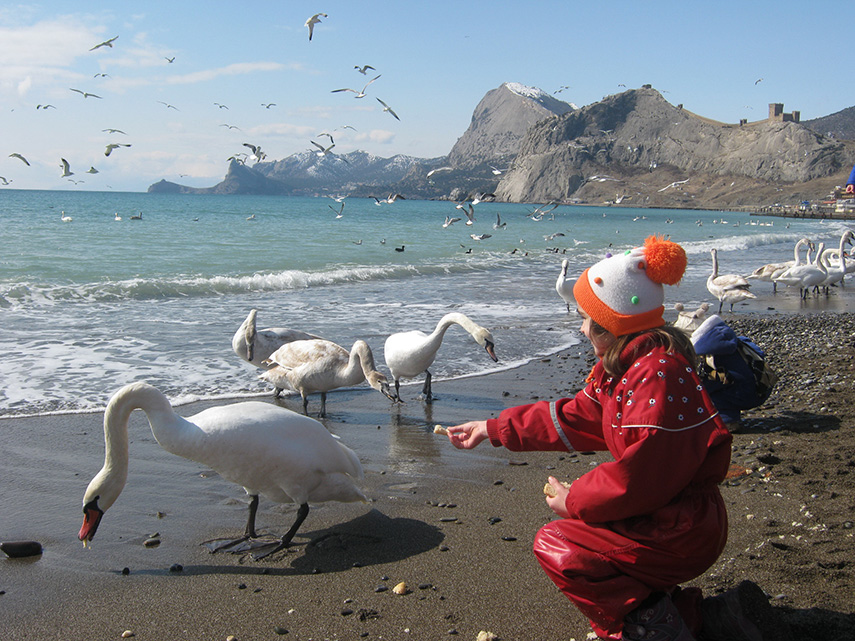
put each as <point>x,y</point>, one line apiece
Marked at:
<point>237,69</point>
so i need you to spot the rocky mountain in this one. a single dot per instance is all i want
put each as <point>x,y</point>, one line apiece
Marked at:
<point>499,124</point>
<point>837,125</point>
<point>632,148</point>
<point>636,148</point>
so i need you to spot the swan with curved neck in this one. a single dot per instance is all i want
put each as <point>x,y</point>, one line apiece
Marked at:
<point>256,345</point>
<point>805,276</point>
<point>319,365</point>
<point>728,288</point>
<point>836,270</point>
<point>408,354</point>
<point>563,285</point>
<point>264,448</point>
<point>770,271</point>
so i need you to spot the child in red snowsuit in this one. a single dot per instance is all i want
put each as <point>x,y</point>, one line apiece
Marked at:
<point>634,528</point>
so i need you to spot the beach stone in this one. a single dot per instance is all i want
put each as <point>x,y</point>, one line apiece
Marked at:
<point>21,549</point>
<point>280,630</point>
<point>176,567</point>
<point>151,542</point>
<point>127,634</point>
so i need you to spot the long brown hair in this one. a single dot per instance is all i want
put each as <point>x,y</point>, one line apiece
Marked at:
<point>671,338</point>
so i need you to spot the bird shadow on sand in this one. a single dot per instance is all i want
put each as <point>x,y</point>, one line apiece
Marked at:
<point>796,422</point>
<point>370,539</point>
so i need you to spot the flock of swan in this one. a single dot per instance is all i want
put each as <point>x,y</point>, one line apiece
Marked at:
<point>267,449</point>
<point>815,274</point>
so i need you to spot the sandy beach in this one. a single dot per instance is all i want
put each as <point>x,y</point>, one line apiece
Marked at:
<point>455,527</point>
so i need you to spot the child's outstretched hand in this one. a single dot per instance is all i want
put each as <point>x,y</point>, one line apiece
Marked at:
<point>558,499</point>
<point>467,435</point>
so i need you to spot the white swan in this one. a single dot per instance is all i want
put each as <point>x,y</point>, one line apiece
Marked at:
<point>65,218</point>
<point>728,288</point>
<point>563,286</point>
<point>117,217</point>
<point>805,276</point>
<point>408,354</point>
<point>835,271</point>
<point>266,449</point>
<point>770,271</point>
<point>318,365</point>
<point>255,346</point>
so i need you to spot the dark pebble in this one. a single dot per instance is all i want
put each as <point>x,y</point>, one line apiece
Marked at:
<point>381,588</point>
<point>280,631</point>
<point>425,586</point>
<point>509,538</point>
<point>494,520</point>
<point>241,586</point>
<point>384,578</point>
<point>20,549</point>
<point>176,567</point>
<point>443,548</point>
<point>453,632</point>
<point>448,519</point>
<point>346,612</point>
<point>126,571</point>
<point>498,482</point>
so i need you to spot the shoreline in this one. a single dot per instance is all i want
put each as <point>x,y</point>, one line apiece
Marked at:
<point>455,526</point>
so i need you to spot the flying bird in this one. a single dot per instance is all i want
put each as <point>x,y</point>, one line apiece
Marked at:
<point>4,181</point>
<point>66,169</point>
<point>359,94</point>
<point>113,146</point>
<point>85,94</point>
<point>91,170</point>
<point>438,169</point>
<point>168,106</point>
<point>338,214</point>
<point>470,215</point>
<point>268,105</point>
<point>45,107</point>
<point>388,108</point>
<point>266,449</point>
<point>231,126</point>
<point>221,106</point>
<point>363,69</point>
<point>311,22</point>
<point>759,80</point>
<point>499,224</point>
<point>323,151</point>
<point>256,151</point>
<point>449,221</point>
<point>19,157</point>
<point>169,60</point>
<point>101,75</point>
<point>480,236</point>
<point>114,131</point>
<point>106,43</point>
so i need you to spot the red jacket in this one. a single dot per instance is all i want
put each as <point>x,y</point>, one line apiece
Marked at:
<point>657,421</point>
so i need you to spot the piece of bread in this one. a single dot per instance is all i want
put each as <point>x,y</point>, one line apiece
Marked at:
<point>439,429</point>
<point>550,491</point>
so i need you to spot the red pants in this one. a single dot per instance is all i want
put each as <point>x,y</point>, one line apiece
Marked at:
<point>607,569</point>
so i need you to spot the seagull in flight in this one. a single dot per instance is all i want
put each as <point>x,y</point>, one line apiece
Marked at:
<point>114,131</point>
<point>311,22</point>
<point>268,105</point>
<point>106,43</point>
<point>323,151</point>
<point>231,126</point>
<point>359,94</point>
<point>480,236</point>
<point>496,172</point>
<point>470,215</point>
<point>499,224</point>
<point>387,108</point>
<point>221,106</point>
<point>45,107</point>
<point>257,154</point>
<point>364,69</point>
<point>20,157</point>
<point>449,221</point>
<point>338,214</point>
<point>169,60</point>
<point>66,169</point>
<point>438,169</point>
<point>759,80</point>
<point>91,170</point>
<point>4,181</point>
<point>101,75</point>
<point>113,146</point>
<point>85,94</point>
<point>168,106</point>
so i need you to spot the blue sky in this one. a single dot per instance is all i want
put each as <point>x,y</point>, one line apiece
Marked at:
<point>436,61</point>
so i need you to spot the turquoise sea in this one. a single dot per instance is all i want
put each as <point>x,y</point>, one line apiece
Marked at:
<point>92,304</point>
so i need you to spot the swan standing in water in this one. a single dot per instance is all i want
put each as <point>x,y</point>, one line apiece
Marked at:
<point>728,288</point>
<point>770,271</point>
<point>408,354</point>
<point>256,345</point>
<point>805,276</point>
<point>318,365</point>
<point>835,272</point>
<point>266,449</point>
<point>563,286</point>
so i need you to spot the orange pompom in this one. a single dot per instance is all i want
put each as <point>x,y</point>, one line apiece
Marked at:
<point>666,260</point>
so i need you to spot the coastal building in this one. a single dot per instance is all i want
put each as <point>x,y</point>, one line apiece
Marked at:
<point>776,113</point>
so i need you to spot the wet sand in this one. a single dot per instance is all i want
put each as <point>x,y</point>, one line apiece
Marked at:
<point>456,527</point>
